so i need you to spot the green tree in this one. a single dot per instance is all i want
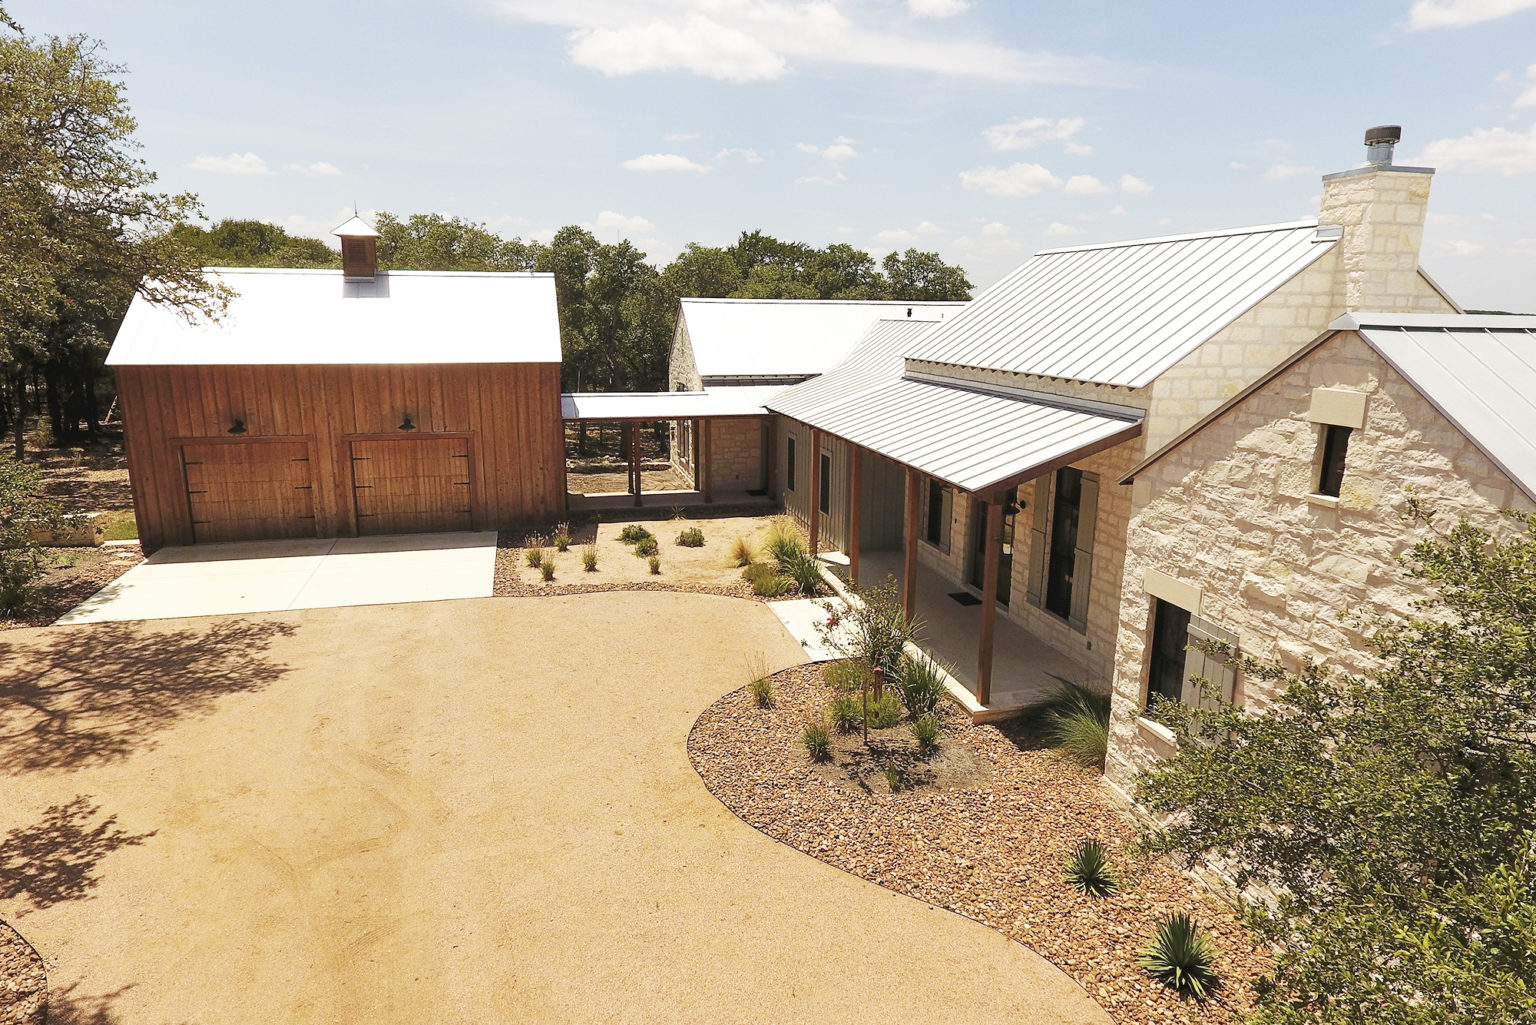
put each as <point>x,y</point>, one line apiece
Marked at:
<point>841,271</point>
<point>435,242</point>
<point>247,243</point>
<point>702,272</point>
<point>774,281</point>
<point>21,512</point>
<point>919,276</point>
<point>1391,814</point>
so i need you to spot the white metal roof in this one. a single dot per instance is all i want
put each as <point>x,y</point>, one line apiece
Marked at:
<point>301,317</point>
<point>1478,371</point>
<point>667,405</point>
<point>355,227</point>
<point>974,440</point>
<point>786,337</point>
<point>1123,312</point>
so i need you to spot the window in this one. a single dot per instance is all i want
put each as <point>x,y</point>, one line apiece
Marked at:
<point>789,470</point>
<point>1064,517</point>
<point>1170,639</point>
<point>1331,469</point>
<point>936,519</point>
<point>824,500</point>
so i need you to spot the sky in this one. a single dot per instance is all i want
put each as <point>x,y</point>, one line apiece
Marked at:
<point>981,129</point>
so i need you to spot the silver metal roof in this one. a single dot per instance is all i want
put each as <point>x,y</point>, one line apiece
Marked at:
<point>667,405</point>
<point>1123,312</point>
<point>974,440</point>
<point>1478,371</point>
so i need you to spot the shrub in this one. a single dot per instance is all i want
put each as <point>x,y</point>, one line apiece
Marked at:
<point>804,570</point>
<point>635,533</point>
<point>920,682</point>
<point>761,690</point>
<point>1088,870</point>
<point>563,537</point>
<point>849,674</point>
<point>892,774</point>
<point>846,712</point>
<point>925,730</point>
<point>1181,956</point>
<point>589,558</point>
<point>647,547</point>
<point>655,565</point>
<point>693,537</point>
<point>535,556</point>
<point>766,581</point>
<point>1077,723</point>
<point>743,552</point>
<point>817,739</point>
<point>783,539</point>
<point>884,713</point>
<point>547,568</point>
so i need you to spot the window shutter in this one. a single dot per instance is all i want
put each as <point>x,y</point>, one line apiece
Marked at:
<point>947,503</point>
<point>1082,557</point>
<point>1223,677</point>
<point>1040,524</point>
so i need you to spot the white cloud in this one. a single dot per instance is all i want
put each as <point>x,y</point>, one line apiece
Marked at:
<point>1433,14</point>
<point>1490,150</point>
<point>663,162</point>
<point>1528,97</point>
<point>1460,247</point>
<point>610,219</point>
<point>994,229</point>
<point>1031,131</point>
<point>841,149</point>
<point>1084,185</point>
<point>1013,180</point>
<point>754,40</point>
<point>822,179</point>
<point>319,169</point>
<point>679,136</point>
<point>543,236</point>
<point>936,8</point>
<point>1134,186</point>
<point>1283,170</point>
<point>928,228</point>
<point>749,155</point>
<point>1058,230</point>
<point>1237,165</point>
<point>895,238</point>
<point>235,163</point>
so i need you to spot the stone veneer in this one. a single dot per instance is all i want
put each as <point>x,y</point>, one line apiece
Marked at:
<point>1295,575</point>
<point>736,453</point>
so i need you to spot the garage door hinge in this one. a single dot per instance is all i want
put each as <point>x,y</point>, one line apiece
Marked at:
<point>303,487</point>
<point>197,492</point>
<point>360,487</point>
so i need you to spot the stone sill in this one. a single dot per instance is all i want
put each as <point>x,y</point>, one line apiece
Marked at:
<point>1326,501</point>
<point>1158,733</point>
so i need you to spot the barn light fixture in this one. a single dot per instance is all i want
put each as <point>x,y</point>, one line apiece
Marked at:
<point>238,427</point>
<point>406,424</point>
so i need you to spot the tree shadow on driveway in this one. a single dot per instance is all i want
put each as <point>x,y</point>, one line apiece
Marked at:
<point>55,859</point>
<point>77,697</point>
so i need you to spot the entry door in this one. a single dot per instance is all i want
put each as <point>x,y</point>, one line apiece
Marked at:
<point>979,547</point>
<point>248,490</point>
<point>411,485</point>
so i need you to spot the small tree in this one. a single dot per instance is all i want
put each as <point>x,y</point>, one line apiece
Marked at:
<point>22,510</point>
<point>874,626</point>
<point>1390,815</point>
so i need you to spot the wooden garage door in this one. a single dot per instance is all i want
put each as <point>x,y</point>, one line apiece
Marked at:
<point>244,490</point>
<point>408,485</point>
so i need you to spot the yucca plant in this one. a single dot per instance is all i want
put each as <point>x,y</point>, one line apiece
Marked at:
<point>817,739</point>
<point>1181,956</point>
<point>783,539</point>
<point>920,682</point>
<point>846,711</point>
<point>925,730</point>
<point>804,570</point>
<point>1088,870</point>
<point>1077,724</point>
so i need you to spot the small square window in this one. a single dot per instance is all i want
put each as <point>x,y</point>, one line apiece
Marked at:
<point>1335,446</point>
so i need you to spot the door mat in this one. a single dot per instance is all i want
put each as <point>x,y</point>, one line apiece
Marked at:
<point>966,598</point>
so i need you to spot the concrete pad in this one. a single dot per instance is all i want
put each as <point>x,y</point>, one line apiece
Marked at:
<point>274,576</point>
<point>803,619</point>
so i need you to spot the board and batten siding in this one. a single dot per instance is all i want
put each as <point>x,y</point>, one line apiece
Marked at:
<point>833,526</point>
<point>509,411</point>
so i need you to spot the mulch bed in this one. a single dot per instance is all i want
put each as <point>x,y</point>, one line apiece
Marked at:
<point>23,982</point>
<point>988,842</point>
<point>73,575</point>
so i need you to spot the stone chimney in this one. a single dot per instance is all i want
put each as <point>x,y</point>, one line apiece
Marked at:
<point>1379,210</point>
<point>359,249</point>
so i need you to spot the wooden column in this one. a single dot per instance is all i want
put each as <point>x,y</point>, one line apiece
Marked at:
<point>993,558</point>
<point>909,547</point>
<point>633,427</point>
<point>815,490</point>
<point>855,510</point>
<point>706,464</point>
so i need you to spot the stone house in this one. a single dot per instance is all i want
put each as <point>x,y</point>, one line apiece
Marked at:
<point>977,459</point>
<point>1274,523</point>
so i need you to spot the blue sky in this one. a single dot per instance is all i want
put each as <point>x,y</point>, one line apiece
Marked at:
<point>984,130</point>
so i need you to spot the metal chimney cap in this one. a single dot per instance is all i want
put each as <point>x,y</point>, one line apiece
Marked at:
<point>1389,134</point>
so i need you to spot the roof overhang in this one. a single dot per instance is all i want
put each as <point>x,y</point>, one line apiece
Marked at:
<point>675,405</point>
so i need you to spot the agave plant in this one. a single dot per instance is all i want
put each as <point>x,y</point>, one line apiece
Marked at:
<point>1181,956</point>
<point>1088,870</point>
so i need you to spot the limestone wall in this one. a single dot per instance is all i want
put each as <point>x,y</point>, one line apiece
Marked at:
<point>682,370</point>
<point>1230,512</point>
<point>736,453</point>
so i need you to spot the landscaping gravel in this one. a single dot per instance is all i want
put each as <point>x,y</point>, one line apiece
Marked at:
<point>23,983</point>
<point>990,846</point>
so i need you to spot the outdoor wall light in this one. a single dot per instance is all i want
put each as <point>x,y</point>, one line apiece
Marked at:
<point>406,424</point>
<point>237,427</point>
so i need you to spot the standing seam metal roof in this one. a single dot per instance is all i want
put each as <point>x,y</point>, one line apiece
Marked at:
<point>1122,313</point>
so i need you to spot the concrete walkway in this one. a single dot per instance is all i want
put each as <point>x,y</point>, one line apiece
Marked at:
<point>308,573</point>
<point>461,812</point>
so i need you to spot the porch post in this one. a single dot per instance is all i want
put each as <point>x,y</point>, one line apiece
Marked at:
<point>695,439</point>
<point>815,490</point>
<point>706,463</point>
<point>633,427</point>
<point>993,557</point>
<point>909,548</point>
<point>856,479</point>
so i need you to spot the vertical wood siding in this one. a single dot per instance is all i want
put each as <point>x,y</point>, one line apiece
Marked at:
<point>510,413</point>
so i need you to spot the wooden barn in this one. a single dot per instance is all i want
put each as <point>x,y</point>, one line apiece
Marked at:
<point>330,403</point>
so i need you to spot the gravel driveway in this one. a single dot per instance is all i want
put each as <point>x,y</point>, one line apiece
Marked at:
<point>473,811</point>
